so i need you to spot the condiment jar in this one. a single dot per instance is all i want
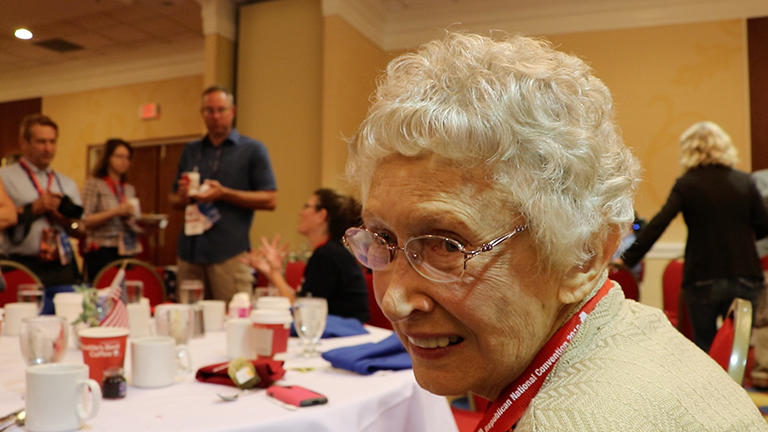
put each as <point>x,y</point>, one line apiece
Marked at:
<point>114,385</point>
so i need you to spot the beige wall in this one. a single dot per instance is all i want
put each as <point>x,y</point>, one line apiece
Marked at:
<point>664,79</point>
<point>279,88</point>
<point>303,83</point>
<point>351,64</point>
<point>92,117</point>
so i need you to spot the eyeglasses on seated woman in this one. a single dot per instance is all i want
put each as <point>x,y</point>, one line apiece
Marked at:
<point>495,189</point>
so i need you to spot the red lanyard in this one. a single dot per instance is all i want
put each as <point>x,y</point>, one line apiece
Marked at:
<point>504,413</point>
<point>33,178</point>
<point>116,189</point>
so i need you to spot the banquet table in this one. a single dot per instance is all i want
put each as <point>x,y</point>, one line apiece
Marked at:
<point>385,401</point>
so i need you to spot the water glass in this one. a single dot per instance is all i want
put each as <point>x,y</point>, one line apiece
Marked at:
<point>43,339</point>
<point>309,317</point>
<point>30,293</point>
<point>175,320</point>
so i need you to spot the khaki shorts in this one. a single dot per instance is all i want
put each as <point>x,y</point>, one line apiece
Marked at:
<point>222,280</point>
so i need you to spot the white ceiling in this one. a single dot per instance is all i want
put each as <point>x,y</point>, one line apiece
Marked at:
<point>131,41</point>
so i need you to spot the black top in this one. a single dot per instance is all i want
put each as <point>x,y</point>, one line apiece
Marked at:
<point>334,274</point>
<point>725,215</point>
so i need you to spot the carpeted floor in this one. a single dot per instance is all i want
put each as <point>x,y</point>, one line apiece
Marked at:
<point>761,400</point>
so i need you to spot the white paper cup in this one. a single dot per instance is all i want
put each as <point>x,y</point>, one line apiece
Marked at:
<point>213,314</point>
<point>240,341</point>
<point>138,319</point>
<point>14,313</point>
<point>155,361</point>
<point>68,305</point>
<point>193,178</point>
<point>55,395</point>
<point>134,202</point>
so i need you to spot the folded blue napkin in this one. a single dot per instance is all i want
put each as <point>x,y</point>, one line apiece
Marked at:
<point>337,326</point>
<point>365,359</point>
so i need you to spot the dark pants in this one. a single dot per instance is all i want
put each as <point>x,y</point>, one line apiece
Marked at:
<point>706,300</point>
<point>96,260</point>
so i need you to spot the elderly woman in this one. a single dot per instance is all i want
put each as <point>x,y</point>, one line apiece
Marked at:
<point>725,214</point>
<point>495,189</point>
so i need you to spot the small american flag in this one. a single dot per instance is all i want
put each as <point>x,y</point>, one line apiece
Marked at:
<point>118,316</point>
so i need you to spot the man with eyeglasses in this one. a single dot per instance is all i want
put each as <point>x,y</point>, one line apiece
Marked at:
<point>221,180</point>
<point>48,206</point>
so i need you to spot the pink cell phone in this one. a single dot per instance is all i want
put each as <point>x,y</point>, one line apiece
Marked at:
<point>296,395</point>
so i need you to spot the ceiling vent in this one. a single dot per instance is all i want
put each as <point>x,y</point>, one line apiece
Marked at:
<point>59,45</point>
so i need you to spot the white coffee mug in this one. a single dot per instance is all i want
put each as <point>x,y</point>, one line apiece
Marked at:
<point>213,314</point>
<point>138,319</point>
<point>156,360</point>
<point>14,313</point>
<point>55,397</point>
<point>240,339</point>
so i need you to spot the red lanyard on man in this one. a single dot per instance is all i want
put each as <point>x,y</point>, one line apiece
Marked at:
<point>33,178</point>
<point>505,412</point>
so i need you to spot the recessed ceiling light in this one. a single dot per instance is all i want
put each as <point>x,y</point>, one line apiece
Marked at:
<point>23,33</point>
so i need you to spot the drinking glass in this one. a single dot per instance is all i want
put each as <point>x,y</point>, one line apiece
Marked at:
<point>175,320</point>
<point>309,317</point>
<point>43,339</point>
<point>30,293</point>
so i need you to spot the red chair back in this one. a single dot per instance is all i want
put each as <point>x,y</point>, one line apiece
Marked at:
<point>764,262</point>
<point>154,286</point>
<point>15,274</point>
<point>626,279</point>
<point>720,350</point>
<point>377,317</point>
<point>672,283</point>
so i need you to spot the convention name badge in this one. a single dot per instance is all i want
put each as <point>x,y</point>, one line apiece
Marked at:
<point>128,243</point>
<point>49,245</point>
<point>507,410</point>
<point>194,223</point>
<point>64,246</point>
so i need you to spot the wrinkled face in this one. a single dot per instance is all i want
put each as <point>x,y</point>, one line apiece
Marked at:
<point>120,160</point>
<point>311,217</point>
<point>41,147</point>
<point>218,113</point>
<point>479,333</point>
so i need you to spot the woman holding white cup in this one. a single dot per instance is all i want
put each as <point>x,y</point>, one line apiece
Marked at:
<point>111,210</point>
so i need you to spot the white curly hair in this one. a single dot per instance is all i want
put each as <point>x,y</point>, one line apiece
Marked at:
<point>537,119</point>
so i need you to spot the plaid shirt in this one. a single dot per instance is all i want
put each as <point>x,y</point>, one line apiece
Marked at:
<point>98,197</point>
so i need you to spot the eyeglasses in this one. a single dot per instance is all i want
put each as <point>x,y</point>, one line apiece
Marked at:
<point>437,258</point>
<point>209,111</point>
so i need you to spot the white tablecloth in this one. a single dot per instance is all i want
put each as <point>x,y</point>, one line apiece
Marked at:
<point>386,401</point>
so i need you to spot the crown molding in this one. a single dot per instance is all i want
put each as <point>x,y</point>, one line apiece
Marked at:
<point>421,21</point>
<point>152,64</point>
<point>367,17</point>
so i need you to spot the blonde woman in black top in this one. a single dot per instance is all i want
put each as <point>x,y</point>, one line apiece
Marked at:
<point>725,214</point>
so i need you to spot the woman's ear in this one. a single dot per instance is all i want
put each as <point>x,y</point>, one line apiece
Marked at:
<point>581,280</point>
